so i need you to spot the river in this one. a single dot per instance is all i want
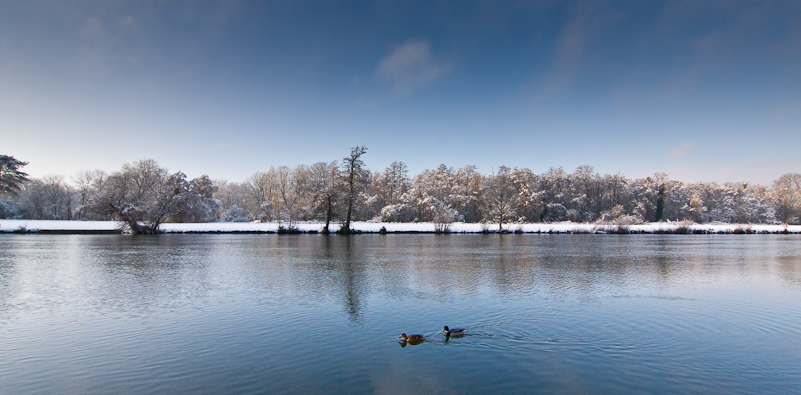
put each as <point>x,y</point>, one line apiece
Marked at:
<point>230,313</point>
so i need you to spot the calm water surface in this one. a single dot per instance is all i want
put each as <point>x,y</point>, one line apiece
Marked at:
<point>321,314</point>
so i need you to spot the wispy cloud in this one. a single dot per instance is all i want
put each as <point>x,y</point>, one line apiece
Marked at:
<point>578,33</point>
<point>410,66</point>
<point>92,28</point>
<point>103,41</point>
<point>681,151</point>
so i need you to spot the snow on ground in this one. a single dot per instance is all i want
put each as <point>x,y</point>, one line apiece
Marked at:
<point>7,225</point>
<point>11,225</point>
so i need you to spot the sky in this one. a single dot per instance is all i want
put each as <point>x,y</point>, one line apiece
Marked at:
<point>701,90</point>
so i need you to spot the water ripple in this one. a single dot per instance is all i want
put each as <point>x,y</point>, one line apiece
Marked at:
<point>256,313</point>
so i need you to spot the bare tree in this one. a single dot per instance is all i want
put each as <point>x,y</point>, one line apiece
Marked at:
<point>144,195</point>
<point>48,198</point>
<point>260,191</point>
<point>354,169</point>
<point>85,181</point>
<point>787,197</point>
<point>466,194</point>
<point>232,198</point>
<point>501,197</point>
<point>324,178</point>
<point>396,181</point>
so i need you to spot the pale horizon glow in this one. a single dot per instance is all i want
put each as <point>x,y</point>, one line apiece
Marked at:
<point>703,91</point>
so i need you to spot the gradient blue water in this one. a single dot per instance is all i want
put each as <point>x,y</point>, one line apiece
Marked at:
<point>322,314</point>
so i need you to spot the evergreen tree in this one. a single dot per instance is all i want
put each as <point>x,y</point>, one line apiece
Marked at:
<point>11,177</point>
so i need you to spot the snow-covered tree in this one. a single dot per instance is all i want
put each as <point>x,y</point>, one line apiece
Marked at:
<point>501,197</point>
<point>9,210</point>
<point>466,190</point>
<point>552,193</point>
<point>260,188</point>
<point>786,194</point>
<point>585,194</point>
<point>147,194</point>
<point>555,212</point>
<point>325,181</point>
<point>48,198</point>
<point>143,195</point>
<point>695,209</point>
<point>615,192</point>
<point>11,176</point>
<point>389,187</point>
<point>529,205</point>
<point>85,184</point>
<point>198,204</point>
<point>400,212</point>
<point>232,200</point>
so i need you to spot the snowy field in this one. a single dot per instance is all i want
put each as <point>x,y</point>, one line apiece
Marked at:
<point>394,227</point>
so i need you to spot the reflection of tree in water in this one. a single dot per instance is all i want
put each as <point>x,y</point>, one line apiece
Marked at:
<point>663,263</point>
<point>342,251</point>
<point>790,269</point>
<point>8,277</point>
<point>120,273</point>
<point>151,271</point>
<point>351,282</point>
<point>510,271</point>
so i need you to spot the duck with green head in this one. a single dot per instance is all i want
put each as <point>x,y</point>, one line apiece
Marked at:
<point>455,332</point>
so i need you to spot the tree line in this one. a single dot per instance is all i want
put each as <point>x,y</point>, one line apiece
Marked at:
<point>144,195</point>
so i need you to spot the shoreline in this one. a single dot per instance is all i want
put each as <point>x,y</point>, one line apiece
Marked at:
<point>115,227</point>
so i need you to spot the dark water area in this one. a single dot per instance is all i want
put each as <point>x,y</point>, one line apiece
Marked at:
<point>576,314</point>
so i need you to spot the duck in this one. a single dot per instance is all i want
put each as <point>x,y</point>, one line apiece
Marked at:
<point>413,339</point>
<point>453,332</point>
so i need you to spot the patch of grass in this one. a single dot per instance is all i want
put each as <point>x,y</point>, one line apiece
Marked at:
<point>621,230</point>
<point>442,227</point>
<point>743,230</point>
<point>288,230</point>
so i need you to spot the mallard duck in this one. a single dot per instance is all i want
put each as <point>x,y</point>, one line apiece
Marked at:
<point>453,332</point>
<point>412,338</point>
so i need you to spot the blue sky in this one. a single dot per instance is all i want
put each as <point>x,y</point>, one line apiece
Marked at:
<point>701,90</point>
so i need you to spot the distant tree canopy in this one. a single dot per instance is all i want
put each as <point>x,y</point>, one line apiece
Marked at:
<point>144,195</point>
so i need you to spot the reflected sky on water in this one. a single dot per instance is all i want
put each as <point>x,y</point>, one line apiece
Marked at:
<point>321,314</point>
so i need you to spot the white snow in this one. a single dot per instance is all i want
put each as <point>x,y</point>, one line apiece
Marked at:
<point>8,225</point>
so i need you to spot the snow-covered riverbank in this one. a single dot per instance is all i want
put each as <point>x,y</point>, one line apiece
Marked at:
<point>25,226</point>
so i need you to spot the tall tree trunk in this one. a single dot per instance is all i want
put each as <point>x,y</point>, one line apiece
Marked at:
<point>346,229</point>
<point>544,211</point>
<point>354,165</point>
<point>327,216</point>
<point>500,225</point>
<point>660,203</point>
<point>132,223</point>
